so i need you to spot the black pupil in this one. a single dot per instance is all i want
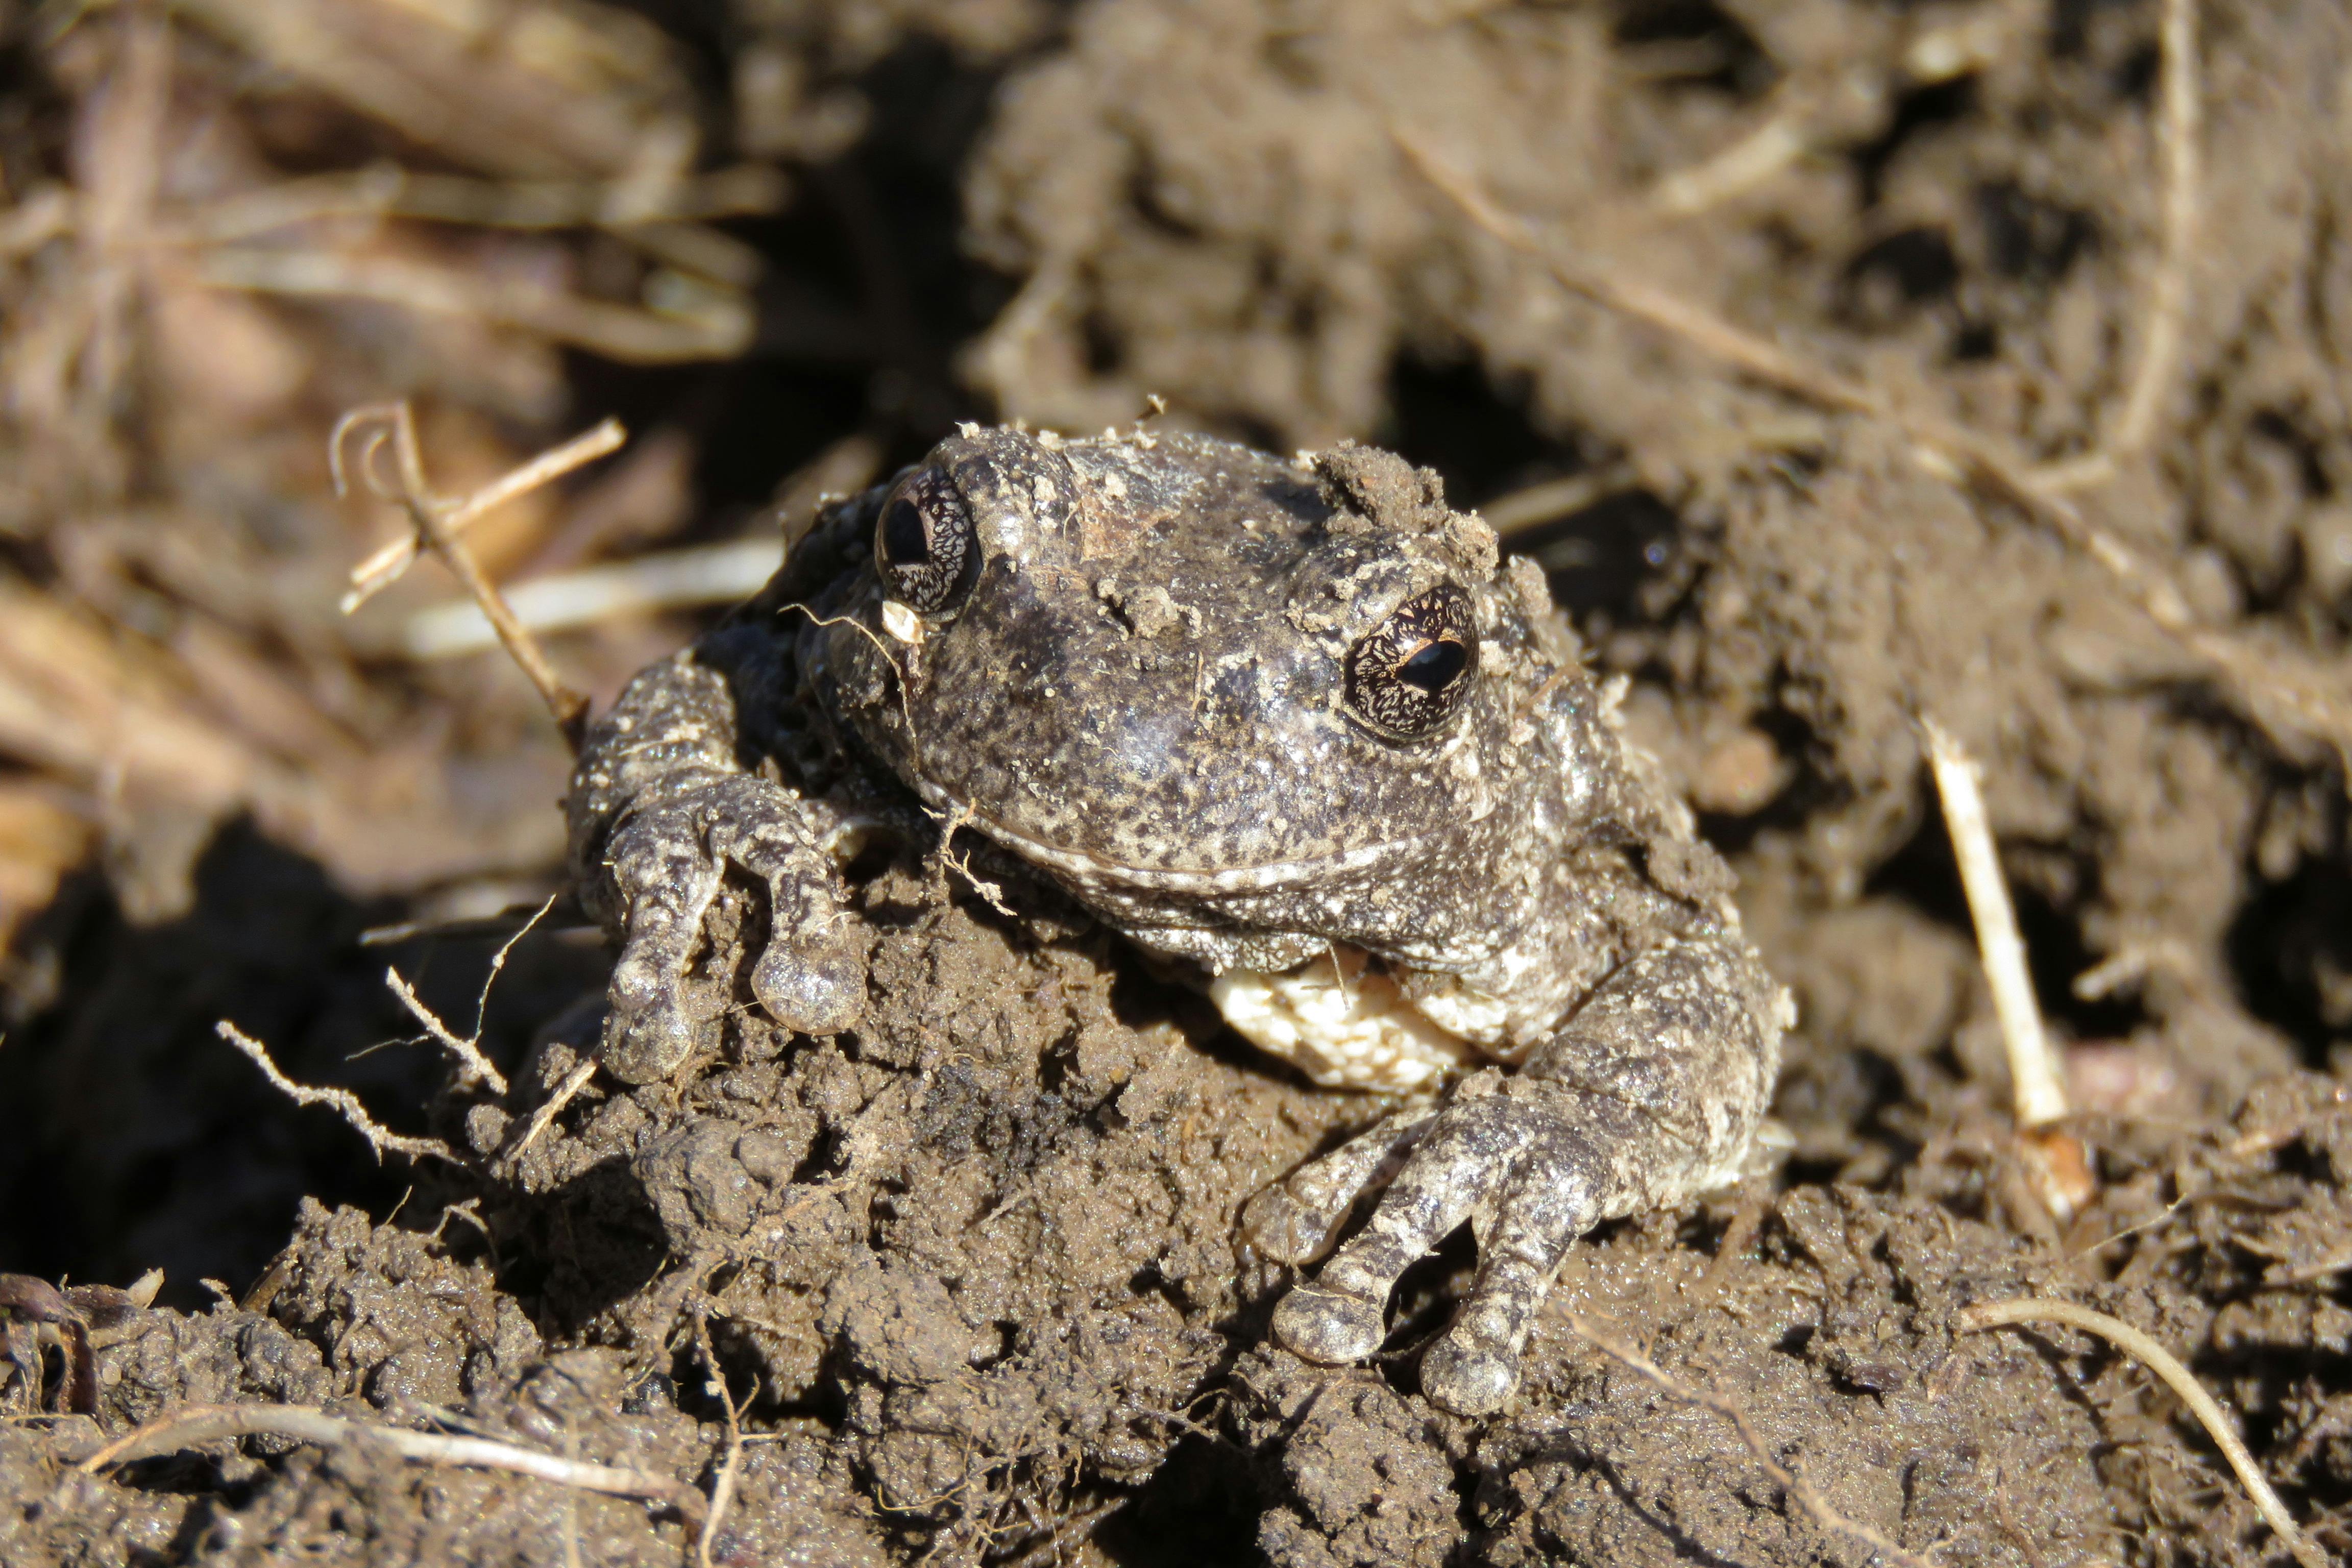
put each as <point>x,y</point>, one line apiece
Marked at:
<point>904,538</point>
<point>1435,665</point>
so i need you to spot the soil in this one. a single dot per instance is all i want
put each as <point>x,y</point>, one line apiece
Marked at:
<point>963,1286</point>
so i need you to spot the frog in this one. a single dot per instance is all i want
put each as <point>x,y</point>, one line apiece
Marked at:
<point>1304,735</point>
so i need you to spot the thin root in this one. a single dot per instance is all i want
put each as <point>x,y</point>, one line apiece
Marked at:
<point>477,1068</point>
<point>2161,1362</point>
<point>2167,293</point>
<point>343,1101</point>
<point>722,1488</point>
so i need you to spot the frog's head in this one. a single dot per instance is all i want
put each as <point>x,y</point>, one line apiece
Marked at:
<point>1213,693</point>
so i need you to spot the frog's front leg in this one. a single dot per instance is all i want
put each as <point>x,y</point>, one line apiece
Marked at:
<point>660,806</point>
<point>1648,1094</point>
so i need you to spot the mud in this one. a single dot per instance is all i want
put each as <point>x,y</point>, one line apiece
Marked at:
<point>966,1280</point>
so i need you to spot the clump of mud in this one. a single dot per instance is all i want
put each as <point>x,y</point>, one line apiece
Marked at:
<point>963,1286</point>
<point>968,1278</point>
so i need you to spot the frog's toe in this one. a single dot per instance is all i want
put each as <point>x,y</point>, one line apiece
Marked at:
<point>647,1043</point>
<point>812,976</point>
<point>1287,1228</point>
<point>1468,1380</point>
<point>1328,1326</point>
<point>1473,1369</point>
<point>1454,1168</point>
<point>1297,1219</point>
<point>813,988</point>
<point>668,889</point>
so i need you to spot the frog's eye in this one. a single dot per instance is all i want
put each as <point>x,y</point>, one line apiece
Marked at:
<point>924,544</point>
<point>1410,674</point>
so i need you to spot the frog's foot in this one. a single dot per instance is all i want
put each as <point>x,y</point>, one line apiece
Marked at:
<point>812,977</point>
<point>667,862</point>
<point>1529,1181</point>
<point>1297,1219</point>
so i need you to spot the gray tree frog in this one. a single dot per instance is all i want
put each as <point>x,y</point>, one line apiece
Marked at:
<point>1297,727</point>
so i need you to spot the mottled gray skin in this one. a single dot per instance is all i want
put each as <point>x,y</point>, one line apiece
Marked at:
<point>1142,692</point>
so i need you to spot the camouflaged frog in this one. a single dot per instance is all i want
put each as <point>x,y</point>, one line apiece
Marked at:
<point>1297,727</point>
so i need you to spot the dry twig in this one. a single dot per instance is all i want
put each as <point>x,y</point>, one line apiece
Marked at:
<point>343,1101</point>
<point>1723,1405</point>
<point>383,569</point>
<point>194,1424</point>
<point>2179,1379</point>
<point>2055,1161</point>
<point>434,519</point>
<point>544,1117</point>
<point>2039,1091</point>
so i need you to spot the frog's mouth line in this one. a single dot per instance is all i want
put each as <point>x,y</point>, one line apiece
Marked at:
<point>1229,879</point>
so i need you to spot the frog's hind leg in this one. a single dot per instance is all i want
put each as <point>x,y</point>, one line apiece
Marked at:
<point>1296,1220</point>
<point>1648,1094</point>
<point>1447,1178</point>
<point>1474,1365</point>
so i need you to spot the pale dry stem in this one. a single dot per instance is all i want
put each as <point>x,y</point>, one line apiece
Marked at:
<point>2134,963</point>
<point>385,567</point>
<point>720,328</point>
<point>194,1424</point>
<point>665,580</point>
<point>127,177</point>
<point>2038,1086</point>
<point>1803,115</point>
<point>343,1101</point>
<point>1548,501</point>
<point>2056,1164</point>
<point>544,1117</point>
<point>395,424</point>
<point>1788,1479</point>
<point>387,191</point>
<point>2179,1379</point>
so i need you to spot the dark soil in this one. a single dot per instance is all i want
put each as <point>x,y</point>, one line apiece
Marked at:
<point>968,1277</point>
